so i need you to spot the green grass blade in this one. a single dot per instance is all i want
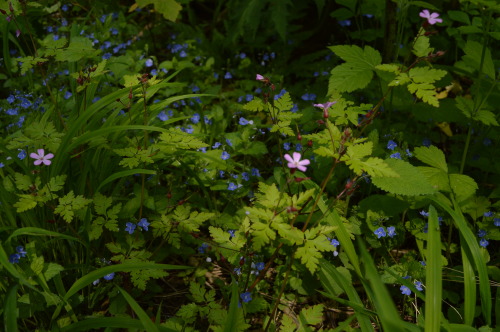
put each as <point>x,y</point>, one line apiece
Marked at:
<point>232,315</point>
<point>433,275</point>
<point>122,174</point>
<point>10,310</point>
<point>469,285</point>
<point>387,312</point>
<point>328,276</point>
<point>147,323</point>
<point>471,247</point>
<point>42,232</point>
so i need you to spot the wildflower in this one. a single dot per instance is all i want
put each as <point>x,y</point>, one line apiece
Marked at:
<point>162,116</point>
<point>202,249</point>
<point>408,153</point>
<point>259,77</point>
<point>246,297</point>
<point>22,154</point>
<point>232,186</point>
<point>67,95</point>
<point>143,223</point>
<point>483,243</point>
<point>221,174</point>
<point>255,172</point>
<point>232,233</point>
<point>298,147</point>
<point>228,76</point>
<point>345,23</point>
<point>405,290</point>
<point>481,233</point>
<point>228,141</point>
<point>418,285</point>
<point>195,118</point>
<point>109,276</point>
<point>216,145</point>
<point>130,227</point>
<point>424,213</point>
<point>295,162</point>
<point>396,155</point>
<point>149,63</point>
<point>335,242</point>
<point>391,231</point>
<point>431,18</point>
<point>14,258</point>
<point>41,157</point>
<point>225,155</point>
<point>244,121</point>
<point>380,232</point>
<point>308,96</point>
<point>324,106</point>
<point>286,146</point>
<point>391,145</point>
<point>496,222</point>
<point>423,263</point>
<point>488,214</point>
<point>20,250</point>
<point>95,282</point>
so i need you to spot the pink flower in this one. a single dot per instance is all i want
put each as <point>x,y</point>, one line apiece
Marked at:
<point>295,162</point>
<point>325,108</point>
<point>41,157</point>
<point>431,18</point>
<point>259,77</point>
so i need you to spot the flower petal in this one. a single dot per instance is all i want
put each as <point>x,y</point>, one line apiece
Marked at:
<point>288,158</point>
<point>34,155</point>
<point>38,162</point>
<point>296,157</point>
<point>41,152</point>
<point>49,156</point>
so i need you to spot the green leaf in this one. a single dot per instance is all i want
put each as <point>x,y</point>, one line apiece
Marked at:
<point>432,156</point>
<point>279,13</point>
<point>422,47</point>
<point>486,117</point>
<point>255,105</point>
<point>357,71</point>
<point>168,8</point>
<point>436,177</point>
<point>474,57</point>
<point>10,310</point>
<point>30,62</point>
<point>433,275</point>
<point>147,323</point>
<point>26,202</point>
<point>177,139</point>
<point>51,270</point>
<point>69,204</point>
<point>79,48</point>
<point>310,316</point>
<point>410,183</point>
<point>284,103</point>
<point>463,186</point>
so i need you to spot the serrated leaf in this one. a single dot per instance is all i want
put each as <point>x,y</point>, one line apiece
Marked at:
<point>474,57</point>
<point>176,138</point>
<point>426,75</point>
<point>283,103</point>
<point>463,186</point>
<point>437,178</point>
<point>486,117</point>
<point>51,270</point>
<point>432,156</point>
<point>255,105</point>
<point>310,316</point>
<point>409,183</point>
<point>29,62</point>
<point>23,181</point>
<point>466,105</point>
<point>69,204</point>
<point>78,48</point>
<point>26,202</point>
<point>422,46</point>
<point>392,68</point>
<point>37,265</point>
<point>424,91</point>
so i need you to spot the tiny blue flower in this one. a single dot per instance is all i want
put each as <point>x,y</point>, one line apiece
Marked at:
<point>202,249</point>
<point>203,149</point>
<point>424,213</point>
<point>483,243</point>
<point>243,121</point>
<point>232,233</point>
<point>335,242</point>
<point>130,227</point>
<point>418,285</point>
<point>95,282</point>
<point>248,97</point>
<point>228,76</point>
<point>143,223</point>
<point>149,63</point>
<point>195,118</point>
<point>286,146</point>
<point>162,116</point>
<point>423,263</point>
<point>255,172</point>
<point>481,233</point>
<point>380,232</point>
<point>10,99</point>
<point>426,142</point>
<point>246,297</point>
<point>496,222</point>
<point>245,176</point>
<point>391,145</point>
<point>109,276</point>
<point>221,174</point>
<point>391,231</point>
<point>106,56</point>
<point>20,250</point>
<point>228,141</point>
<point>14,258</point>
<point>408,153</point>
<point>232,186</point>
<point>114,31</point>
<point>216,145</point>
<point>22,154</point>
<point>345,23</point>
<point>242,55</point>
<point>260,266</point>
<point>25,103</point>
<point>405,290</point>
<point>225,155</point>
<point>189,129</point>
<point>396,155</point>
<point>237,271</point>
<point>488,214</point>
<point>154,72</point>
<point>298,147</point>
<point>67,95</point>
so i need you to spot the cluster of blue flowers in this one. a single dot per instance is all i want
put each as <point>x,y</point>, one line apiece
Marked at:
<point>179,49</point>
<point>381,232</point>
<point>143,225</point>
<point>391,145</point>
<point>20,253</point>
<point>336,244</point>
<point>18,105</point>
<point>407,291</point>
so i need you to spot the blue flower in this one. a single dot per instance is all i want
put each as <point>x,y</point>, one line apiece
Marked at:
<point>335,242</point>
<point>408,153</point>
<point>67,95</point>
<point>143,223</point>
<point>216,145</point>
<point>391,231</point>
<point>228,141</point>
<point>25,103</point>
<point>380,232</point>
<point>248,97</point>
<point>232,233</point>
<point>286,146</point>
<point>202,249</point>
<point>418,285</point>
<point>162,116</point>
<point>246,297</point>
<point>95,282</point>
<point>391,145</point>
<point>225,155</point>
<point>424,213</point>
<point>245,176</point>
<point>308,96</point>
<point>21,155</point>
<point>255,172</point>
<point>405,290</point>
<point>244,121</point>
<point>232,186</point>
<point>488,214</point>
<point>20,250</point>
<point>298,147</point>
<point>114,31</point>
<point>260,266</point>
<point>396,155</point>
<point>10,99</point>
<point>130,227</point>
<point>109,276</point>
<point>149,63</point>
<point>483,243</point>
<point>221,174</point>
<point>426,142</point>
<point>481,233</point>
<point>195,118</point>
<point>496,222</point>
<point>14,258</point>
<point>345,23</point>
<point>228,76</point>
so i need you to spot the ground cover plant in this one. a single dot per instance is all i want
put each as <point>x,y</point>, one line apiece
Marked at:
<point>252,165</point>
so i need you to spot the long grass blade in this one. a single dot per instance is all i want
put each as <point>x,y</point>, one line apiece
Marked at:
<point>122,174</point>
<point>231,323</point>
<point>147,323</point>
<point>433,276</point>
<point>42,232</point>
<point>97,323</point>
<point>10,310</point>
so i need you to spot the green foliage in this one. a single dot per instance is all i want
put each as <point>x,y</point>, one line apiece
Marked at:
<point>357,71</point>
<point>168,8</point>
<point>107,216</point>
<point>355,159</point>
<point>69,204</point>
